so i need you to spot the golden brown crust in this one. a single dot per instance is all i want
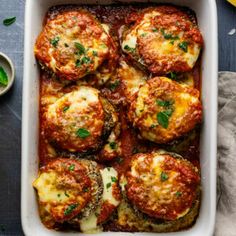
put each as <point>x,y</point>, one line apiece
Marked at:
<point>71,116</point>
<point>161,96</point>
<point>73,44</point>
<point>166,40</point>
<point>162,186</point>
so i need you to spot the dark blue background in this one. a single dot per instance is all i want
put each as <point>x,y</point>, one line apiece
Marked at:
<point>11,43</point>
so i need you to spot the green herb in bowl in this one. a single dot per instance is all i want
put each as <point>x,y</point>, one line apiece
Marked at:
<point>3,77</point>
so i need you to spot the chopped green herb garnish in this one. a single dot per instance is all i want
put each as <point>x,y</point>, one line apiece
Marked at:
<point>80,47</point>
<point>65,108</point>
<point>163,103</point>
<point>154,30</point>
<point>172,75</point>
<point>71,167</point>
<point>3,77</point>
<point>85,60</point>
<point>113,145</point>
<point>114,85</point>
<point>55,41</point>
<point>9,21</point>
<point>172,42</point>
<point>126,47</point>
<point>58,195</point>
<point>184,46</point>
<point>70,209</point>
<point>163,119</point>
<point>66,194</point>
<point>164,176</point>
<point>168,36</point>
<point>178,194</point>
<point>66,45</point>
<point>113,179</point>
<point>82,133</point>
<point>108,185</point>
<point>95,53</point>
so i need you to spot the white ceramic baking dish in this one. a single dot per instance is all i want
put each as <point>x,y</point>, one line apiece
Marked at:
<point>207,19</point>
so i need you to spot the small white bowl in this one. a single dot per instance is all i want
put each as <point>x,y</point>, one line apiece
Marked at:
<point>8,66</point>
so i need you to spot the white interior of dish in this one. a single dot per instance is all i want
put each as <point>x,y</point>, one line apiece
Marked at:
<point>206,14</point>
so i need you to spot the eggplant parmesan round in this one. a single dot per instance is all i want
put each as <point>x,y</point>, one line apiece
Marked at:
<point>79,121</point>
<point>164,110</point>
<point>161,185</point>
<point>75,44</point>
<point>164,39</point>
<point>67,188</point>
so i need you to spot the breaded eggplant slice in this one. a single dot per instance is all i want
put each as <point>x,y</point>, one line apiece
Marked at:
<point>110,200</point>
<point>164,110</point>
<point>164,39</point>
<point>66,188</point>
<point>72,45</point>
<point>131,77</point>
<point>80,121</point>
<point>162,189</point>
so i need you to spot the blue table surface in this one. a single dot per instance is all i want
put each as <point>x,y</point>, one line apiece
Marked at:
<point>11,43</point>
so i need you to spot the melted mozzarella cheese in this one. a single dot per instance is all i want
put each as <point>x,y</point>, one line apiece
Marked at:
<point>107,176</point>
<point>47,190</point>
<point>89,224</point>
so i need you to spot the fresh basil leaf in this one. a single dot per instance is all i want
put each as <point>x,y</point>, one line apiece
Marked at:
<point>82,133</point>
<point>65,108</point>
<point>128,48</point>
<point>183,46</point>
<point>164,176</point>
<point>9,21</point>
<point>80,47</point>
<point>108,185</point>
<point>168,36</point>
<point>163,119</point>
<point>113,179</point>
<point>3,77</point>
<point>172,75</point>
<point>85,60</point>
<point>70,209</point>
<point>71,167</point>
<point>55,41</point>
